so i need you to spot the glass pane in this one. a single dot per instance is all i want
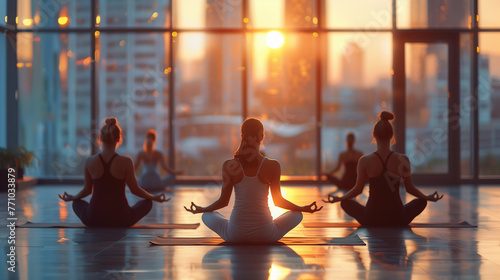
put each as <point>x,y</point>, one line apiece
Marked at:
<point>488,13</point>
<point>53,14</point>
<point>208,73</point>
<point>282,89</point>
<point>367,14</point>
<point>489,104</point>
<point>357,85</point>
<point>281,13</point>
<point>54,101</point>
<point>3,93</point>
<point>3,13</point>
<point>434,14</point>
<point>132,75</point>
<point>144,13</point>
<point>207,13</point>
<point>427,106</point>
<point>465,105</point>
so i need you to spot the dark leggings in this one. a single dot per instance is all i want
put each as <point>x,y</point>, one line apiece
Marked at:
<point>138,211</point>
<point>360,213</point>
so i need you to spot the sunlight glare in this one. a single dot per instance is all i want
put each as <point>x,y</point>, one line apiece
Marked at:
<point>274,39</point>
<point>277,272</point>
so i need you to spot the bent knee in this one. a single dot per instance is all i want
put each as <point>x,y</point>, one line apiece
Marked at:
<point>346,203</point>
<point>423,202</point>
<point>207,216</point>
<point>297,216</point>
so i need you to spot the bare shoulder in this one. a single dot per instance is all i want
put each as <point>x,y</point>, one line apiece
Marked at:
<point>231,166</point>
<point>403,162</point>
<point>124,160</point>
<point>272,164</point>
<point>365,159</point>
<point>401,157</point>
<point>270,171</point>
<point>91,160</point>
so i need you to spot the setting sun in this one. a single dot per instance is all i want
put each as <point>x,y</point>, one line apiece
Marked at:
<point>274,39</point>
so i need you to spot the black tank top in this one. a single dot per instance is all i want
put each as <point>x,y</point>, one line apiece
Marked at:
<point>384,192</point>
<point>109,192</point>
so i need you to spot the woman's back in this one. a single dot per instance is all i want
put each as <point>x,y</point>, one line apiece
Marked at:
<point>108,180</point>
<point>117,167</point>
<point>251,198</point>
<point>150,162</point>
<point>384,204</point>
<point>385,183</point>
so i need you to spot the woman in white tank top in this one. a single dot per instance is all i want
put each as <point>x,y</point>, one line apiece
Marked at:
<point>251,175</point>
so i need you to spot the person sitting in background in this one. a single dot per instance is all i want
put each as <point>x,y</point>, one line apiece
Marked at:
<point>251,175</point>
<point>384,170</point>
<point>105,176</point>
<point>150,179</point>
<point>349,159</point>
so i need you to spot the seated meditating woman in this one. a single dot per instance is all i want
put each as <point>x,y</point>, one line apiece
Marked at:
<point>384,170</point>
<point>150,179</point>
<point>349,159</point>
<point>105,176</point>
<point>251,175</point>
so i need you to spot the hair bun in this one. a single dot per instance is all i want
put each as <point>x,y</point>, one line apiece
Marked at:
<point>110,121</point>
<point>386,116</point>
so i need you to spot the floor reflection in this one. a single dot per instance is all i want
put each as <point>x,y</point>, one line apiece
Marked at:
<point>258,262</point>
<point>388,251</point>
<point>419,253</point>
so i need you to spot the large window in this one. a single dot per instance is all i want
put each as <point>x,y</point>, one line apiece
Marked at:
<point>133,85</point>
<point>282,88</point>
<point>357,85</point>
<point>208,74</point>
<point>54,100</point>
<point>193,70</point>
<point>488,104</point>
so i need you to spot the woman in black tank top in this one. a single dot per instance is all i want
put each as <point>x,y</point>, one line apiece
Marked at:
<point>108,206</point>
<point>384,206</point>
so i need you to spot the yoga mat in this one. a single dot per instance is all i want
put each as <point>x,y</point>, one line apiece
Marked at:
<point>217,241</point>
<point>78,225</point>
<point>462,224</point>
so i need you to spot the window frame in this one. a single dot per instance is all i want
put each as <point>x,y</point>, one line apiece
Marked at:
<point>10,57</point>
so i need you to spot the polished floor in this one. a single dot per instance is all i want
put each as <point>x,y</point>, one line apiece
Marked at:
<point>391,253</point>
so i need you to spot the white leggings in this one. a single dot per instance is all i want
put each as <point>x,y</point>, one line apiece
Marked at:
<point>270,232</point>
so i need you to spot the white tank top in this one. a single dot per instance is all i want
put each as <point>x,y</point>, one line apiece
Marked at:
<point>251,207</point>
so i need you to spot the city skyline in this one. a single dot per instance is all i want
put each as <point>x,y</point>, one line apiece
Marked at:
<point>132,78</point>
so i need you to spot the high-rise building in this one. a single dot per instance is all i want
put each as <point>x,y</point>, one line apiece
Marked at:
<point>132,83</point>
<point>352,66</point>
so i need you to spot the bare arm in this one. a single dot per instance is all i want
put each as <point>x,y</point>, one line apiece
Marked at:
<point>225,195</point>
<point>278,198</point>
<point>87,187</point>
<point>361,181</point>
<point>134,186</point>
<point>405,172</point>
